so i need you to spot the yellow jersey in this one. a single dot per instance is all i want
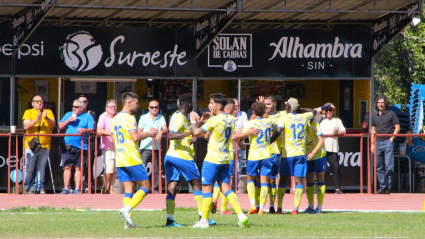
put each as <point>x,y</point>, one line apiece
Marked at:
<point>313,132</point>
<point>180,148</point>
<point>126,150</point>
<point>221,128</point>
<point>294,126</point>
<point>259,145</point>
<point>276,146</point>
<point>31,114</point>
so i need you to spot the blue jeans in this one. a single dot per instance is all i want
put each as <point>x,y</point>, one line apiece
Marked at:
<point>38,162</point>
<point>241,155</point>
<point>384,163</point>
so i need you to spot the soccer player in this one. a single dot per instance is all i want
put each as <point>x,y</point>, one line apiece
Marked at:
<point>294,125</point>
<point>259,157</point>
<point>270,103</point>
<point>229,109</point>
<point>316,165</point>
<point>179,159</point>
<point>216,166</point>
<point>130,167</point>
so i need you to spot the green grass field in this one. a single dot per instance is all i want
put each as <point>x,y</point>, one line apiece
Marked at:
<point>70,223</point>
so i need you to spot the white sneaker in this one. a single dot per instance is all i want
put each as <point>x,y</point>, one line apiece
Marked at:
<point>201,224</point>
<point>127,217</point>
<point>127,225</point>
<point>243,222</point>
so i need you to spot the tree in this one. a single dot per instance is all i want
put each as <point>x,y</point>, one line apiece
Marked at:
<point>400,63</point>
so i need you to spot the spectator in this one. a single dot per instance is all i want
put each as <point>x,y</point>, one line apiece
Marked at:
<point>37,121</point>
<point>92,145</point>
<point>75,122</point>
<point>241,119</point>
<point>384,122</point>
<point>107,147</point>
<point>414,148</point>
<point>146,122</point>
<point>333,125</point>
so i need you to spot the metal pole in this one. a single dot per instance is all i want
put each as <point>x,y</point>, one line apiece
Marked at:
<point>8,165</point>
<point>58,113</point>
<point>239,92</point>
<point>361,164</point>
<point>17,165</point>
<point>153,165</point>
<point>12,92</point>
<point>195,93</point>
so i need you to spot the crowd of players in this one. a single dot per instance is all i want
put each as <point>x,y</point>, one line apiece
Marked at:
<point>292,137</point>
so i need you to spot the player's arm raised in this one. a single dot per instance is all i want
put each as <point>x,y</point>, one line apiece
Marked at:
<point>195,130</point>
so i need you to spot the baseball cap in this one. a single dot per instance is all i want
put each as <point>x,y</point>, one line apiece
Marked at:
<point>293,103</point>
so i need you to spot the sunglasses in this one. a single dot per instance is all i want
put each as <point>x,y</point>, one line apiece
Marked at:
<point>37,101</point>
<point>76,107</point>
<point>154,107</point>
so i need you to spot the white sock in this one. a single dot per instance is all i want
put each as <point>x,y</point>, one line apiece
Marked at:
<point>311,206</point>
<point>262,207</point>
<point>205,221</point>
<point>296,208</point>
<point>241,216</point>
<point>170,217</point>
<point>128,208</point>
<point>319,207</point>
<point>252,202</point>
<point>200,213</point>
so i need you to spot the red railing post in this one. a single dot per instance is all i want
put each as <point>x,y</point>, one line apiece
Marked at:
<point>17,165</point>
<point>95,164</point>
<point>82,164</point>
<point>235,160</point>
<point>166,145</point>
<point>9,158</point>
<point>153,164</point>
<point>23,164</point>
<point>160,166</point>
<point>369,190</point>
<point>89,168</point>
<point>361,164</point>
<point>374,163</point>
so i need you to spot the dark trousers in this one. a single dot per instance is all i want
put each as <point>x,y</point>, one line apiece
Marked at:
<point>334,163</point>
<point>384,163</point>
<point>146,155</point>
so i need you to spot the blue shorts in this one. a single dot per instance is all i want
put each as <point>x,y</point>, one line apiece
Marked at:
<point>262,167</point>
<point>275,165</point>
<point>212,172</point>
<point>294,166</point>
<point>175,168</point>
<point>317,166</point>
<point>232,168</point>
<point>132,173</point>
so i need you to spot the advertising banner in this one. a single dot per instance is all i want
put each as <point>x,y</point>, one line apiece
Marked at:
<point>102,51</point>
<point>288,53</point>
<point>165,52</point>
<point>387,27</point>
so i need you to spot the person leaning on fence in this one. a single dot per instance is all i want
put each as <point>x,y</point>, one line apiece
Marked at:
<point>108,150</point>
<point>75,122</point>
<point>384,122</point>
<point>333,125</point>
<point>147,121</point>
<point>37,121</point>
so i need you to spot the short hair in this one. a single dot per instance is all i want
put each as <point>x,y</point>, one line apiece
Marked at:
<point>129,95</point>
<point>79,102</point>
<point>230,101</point>
<point>387,103</point>
<point>32,98</point>
<point>83,96</point>
<point>271,97</point>
<point>152,100</point>
<point>219,98</point>
<point>184,100</point>
<point>110,101</point>
<point>259,108</point>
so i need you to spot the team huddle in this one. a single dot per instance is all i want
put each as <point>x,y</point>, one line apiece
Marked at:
<point>292,137</point>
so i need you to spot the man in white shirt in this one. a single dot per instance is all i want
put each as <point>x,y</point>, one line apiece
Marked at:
<point>241,119</point>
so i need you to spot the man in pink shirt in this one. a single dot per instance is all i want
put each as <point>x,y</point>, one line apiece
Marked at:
<point>108,151</point>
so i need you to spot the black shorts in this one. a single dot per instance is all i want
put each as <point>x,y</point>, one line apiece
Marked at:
<point>71,157</point>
